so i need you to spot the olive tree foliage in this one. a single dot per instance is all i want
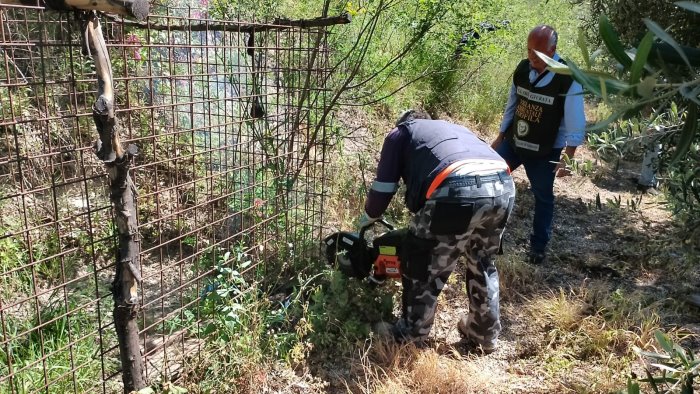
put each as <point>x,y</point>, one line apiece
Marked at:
<point>655,79</point>
<point>627,16</point>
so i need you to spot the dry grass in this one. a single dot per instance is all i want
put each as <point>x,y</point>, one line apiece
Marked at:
<point>602,322</point>
<point>395,369</point>
<point>516,277</point>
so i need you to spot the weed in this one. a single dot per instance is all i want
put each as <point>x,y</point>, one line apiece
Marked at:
<point>609,143</point>
<point>163,388</point>
<point>66,341</point>
<point>674,370</point>
<point>516,276</point>
<point>584,168</point>
<point>13,256</point>
<point>343,309</point>
<point>240,317</point>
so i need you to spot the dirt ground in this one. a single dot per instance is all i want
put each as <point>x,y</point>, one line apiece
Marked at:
<point>608,239</point>
<point>604,242</point>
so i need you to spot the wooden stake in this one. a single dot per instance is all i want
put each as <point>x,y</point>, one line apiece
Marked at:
<point>123,197</point>
<point>133,8</point>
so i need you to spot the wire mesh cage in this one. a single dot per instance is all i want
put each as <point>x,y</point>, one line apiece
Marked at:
<point>230,121</point>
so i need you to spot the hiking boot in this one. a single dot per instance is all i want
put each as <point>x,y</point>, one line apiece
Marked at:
<point>398,332</point>
<point>486,348</point>
<point>647,189</point>
<point>536,258</point>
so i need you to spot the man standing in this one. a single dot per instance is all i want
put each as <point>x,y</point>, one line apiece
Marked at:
<point>461,193</point>
<point>544,116</point>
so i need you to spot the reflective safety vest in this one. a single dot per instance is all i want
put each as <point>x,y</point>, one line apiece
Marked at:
<point>538,112</point>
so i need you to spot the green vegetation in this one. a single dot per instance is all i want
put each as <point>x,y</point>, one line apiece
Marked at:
<point>66,342</point>
<point>679,368</point>
<point>655,90</point>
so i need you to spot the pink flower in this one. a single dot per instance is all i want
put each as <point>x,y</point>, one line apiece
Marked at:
<point>133,39</point>
<point>258,203</point>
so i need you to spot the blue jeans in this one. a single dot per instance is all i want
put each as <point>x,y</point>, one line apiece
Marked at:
<point>540,172</point>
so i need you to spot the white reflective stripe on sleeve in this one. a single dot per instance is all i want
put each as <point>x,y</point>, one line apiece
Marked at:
<point>385,187</point>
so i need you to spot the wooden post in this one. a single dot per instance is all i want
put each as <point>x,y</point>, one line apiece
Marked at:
<point>123,195</point>
<point>134,8</point>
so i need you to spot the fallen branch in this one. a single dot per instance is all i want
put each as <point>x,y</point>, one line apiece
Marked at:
<point>243,27</point>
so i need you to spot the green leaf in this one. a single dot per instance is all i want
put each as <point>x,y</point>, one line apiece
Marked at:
<point>681,353</point>
<point>592,83</point>
<point>632,387</point>
<point>587,82</point>
<point>612,42</point>
<point>661,33</point>
<point>596,73</point>
<point>660,379</point>
<point>651,380</point>
<point>553,65</point>
<point>684,143</point>
<point>210,328</point>
<point>689,5</point>
<point>640,58</point>
<point>605,123</point>
<point>664,341</point>
<point>657,356</point>
<point>646,88</point>
<point>665,367</point>
<point>603,89</point>
<point>583,45</point>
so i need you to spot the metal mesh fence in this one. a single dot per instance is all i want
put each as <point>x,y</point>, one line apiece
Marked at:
<point>229,121</point>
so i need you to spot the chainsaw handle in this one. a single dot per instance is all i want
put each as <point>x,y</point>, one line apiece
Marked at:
<point>386,224</point>
<point>381,220</point>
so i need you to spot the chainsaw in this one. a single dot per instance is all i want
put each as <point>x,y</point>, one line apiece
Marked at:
<point>376,259</point>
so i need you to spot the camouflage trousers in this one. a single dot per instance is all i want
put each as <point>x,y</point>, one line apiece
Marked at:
<point>456,221</point>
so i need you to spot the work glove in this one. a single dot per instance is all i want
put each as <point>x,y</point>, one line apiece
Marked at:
<point>365,220</point>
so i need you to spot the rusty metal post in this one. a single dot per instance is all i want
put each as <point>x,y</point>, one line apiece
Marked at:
<point>123,195</point>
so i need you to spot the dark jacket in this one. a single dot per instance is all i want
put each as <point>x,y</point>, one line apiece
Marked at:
<point>416,152</point>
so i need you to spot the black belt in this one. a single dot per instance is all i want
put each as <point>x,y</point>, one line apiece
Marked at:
<point>471,180</point>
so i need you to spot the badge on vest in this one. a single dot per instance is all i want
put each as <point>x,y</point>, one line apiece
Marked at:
<point>526,145</point>
<point>522,128</point>
<point>536,97</point>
